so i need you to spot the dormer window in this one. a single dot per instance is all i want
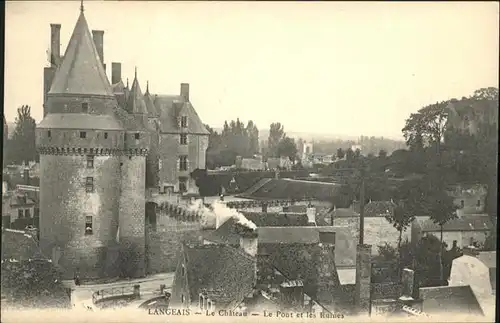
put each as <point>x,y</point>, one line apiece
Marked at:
<point>85,107</point>
<point>137,136</point>
<point>184,121</point>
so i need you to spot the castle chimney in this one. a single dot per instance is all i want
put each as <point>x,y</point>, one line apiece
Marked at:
<point>311,215</point>
<point>185,91</point>
<point>26,176</point>
<point>249,243</point>
<point>55,44</point>
<point>116,72</point>
<point>363,279</point>
<point>98,36</point>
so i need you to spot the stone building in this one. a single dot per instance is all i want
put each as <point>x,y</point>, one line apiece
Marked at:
<point>102,146</point>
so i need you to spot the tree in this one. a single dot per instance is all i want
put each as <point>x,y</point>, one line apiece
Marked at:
<point>357,153</point>
<point>401,217</point>
<point>288,148</point>
<point>441,210</point>
<point>349,154</point>
<point>22,148</point>
<point>340,153</point>
<point>276,134</point>
<point>253,134</point>
<point>490,93</point>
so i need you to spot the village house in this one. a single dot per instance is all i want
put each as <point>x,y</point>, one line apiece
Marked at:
<point>463,231</point>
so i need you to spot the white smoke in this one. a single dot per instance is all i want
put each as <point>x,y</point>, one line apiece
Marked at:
<point>219,213</point>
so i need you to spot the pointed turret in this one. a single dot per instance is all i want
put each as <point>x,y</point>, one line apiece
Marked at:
<point>81,71</point>
<point>152,111</point>
<point>135,102</point>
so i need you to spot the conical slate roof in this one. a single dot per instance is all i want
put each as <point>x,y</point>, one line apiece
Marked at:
<point>135,102</point>
<point>81,71</point>
<point>152,111</point>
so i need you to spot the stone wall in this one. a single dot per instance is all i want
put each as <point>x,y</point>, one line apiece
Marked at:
<point>64,205</point>
<point>164,244</point>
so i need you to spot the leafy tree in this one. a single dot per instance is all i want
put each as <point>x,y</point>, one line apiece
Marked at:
<point>288,148</point>
<point>490,93</point>
<point>357,153</point>
<point>340,153</point>
<point>276,134</point>
<point>349,154</point>
<point>401,217</point>
<point>21,147</point>
<point>382,153</point>
<point>253,134</point>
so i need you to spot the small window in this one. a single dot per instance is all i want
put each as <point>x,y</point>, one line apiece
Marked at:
<point>105,135</point>
<point>90,161</point>
<point>125,137</point>
<point>201,302</point>
<point>478,204</point>
<point>137,136</point>
<point>88,224</point>
<point>183,139</point>
<point>27,213</point>
<point>184,122</point>
<point>49,134</point>
<point>183,270</point>
<point>182,184</point>
<point>20,213</point>
<point>183,163</point>
<point>462,204</point>
<point>85,107</point>
<point>182,298</point>
<point>89,184</point>
<point>83,134</point>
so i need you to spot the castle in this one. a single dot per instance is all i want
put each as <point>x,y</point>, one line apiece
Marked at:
<point>102,147</point>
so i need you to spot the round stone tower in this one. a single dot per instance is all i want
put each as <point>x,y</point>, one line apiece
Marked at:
<point>81,143</point>
<point>132,214</point>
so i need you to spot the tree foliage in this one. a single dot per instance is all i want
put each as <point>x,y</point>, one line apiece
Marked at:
<point>235,139</point>
<point>21,148</point>
<point>276,135</point>
<point>287,148</point>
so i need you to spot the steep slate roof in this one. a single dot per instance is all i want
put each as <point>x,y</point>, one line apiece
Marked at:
<point>285,235</point>
<point>169,107</point>
<point>451,299</point>
<point>225,273</point>
<point>153,112</point>
<point>81,71</point>
<point>79,121</point>
<point>19,245</point>
<point>135,102</point>
<point>264,219</point>
<point>465,223</point>
<point>286,188</point>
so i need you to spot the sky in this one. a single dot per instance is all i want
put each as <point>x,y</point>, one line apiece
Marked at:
<point>356,68</point>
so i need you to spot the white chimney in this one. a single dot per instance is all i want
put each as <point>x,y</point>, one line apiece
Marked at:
<point>249,243</point>
<point>311,215</point>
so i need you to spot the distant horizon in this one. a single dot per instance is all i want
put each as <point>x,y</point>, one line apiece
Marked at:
<point>328,68</point>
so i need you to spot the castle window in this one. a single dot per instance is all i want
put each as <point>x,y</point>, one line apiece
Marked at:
<point>85,107</point>
<point>478,204</point>
<point>89,184</point>
<point>83,134</point>
<point>182,184</point>
<point>462,204</point>
<point>49,134</point>
<point>183,270</point>
<point>105,135</point>
<point>27,213</point>
<point>88,225</point>
<point>137,136</point>
<point>183,165</point>
<point>183,139</point>
<point>184,122</point>
<point>90,161</point>
<point>20,213</point>
<point>209,305</point>
<point>182,298</point>
<point>200,303</point>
